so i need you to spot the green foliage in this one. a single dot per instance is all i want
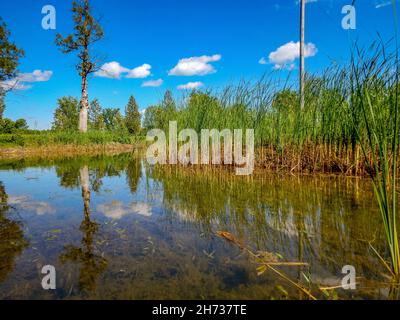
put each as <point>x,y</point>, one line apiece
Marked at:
<point>132,116</point>
<point>159,116</point>
<point>113,119</point>
<point>2,103</point>
<point>153,117</point>
<point>45,138</point>
<point>9,126</point>
<point>96,119</point>
<point>9,54</point>
<point>21,124</point>
<point>87,31</point>
<point>376,95</point>
<point>66,115</point>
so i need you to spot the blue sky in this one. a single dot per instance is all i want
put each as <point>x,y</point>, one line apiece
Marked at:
<point>185,43</point>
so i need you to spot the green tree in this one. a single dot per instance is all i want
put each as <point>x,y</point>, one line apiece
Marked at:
<point>66,114</point>
<point>87,31</point>
<point>132,116</point>
<point>96,120</point>
<point>169,110</point>
<point>113,119</point>
<point>168,102</point>
<point>153,117</point>
<point>21,124</point>
<point>2,103</point>
<point>9,60</point>
<point>9,54</point>
<point>7,125</point>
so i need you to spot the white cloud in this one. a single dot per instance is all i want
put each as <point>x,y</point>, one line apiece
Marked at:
<point>285,55</point>
<point>140,72</point>
<point>153,83</point>
<point>18,83</point>
<point>114,70</point>
<point>190,85</point>
<point>35,76</point>
<point>13,85</point>
<point>111,70</point>
<point>193,66</point>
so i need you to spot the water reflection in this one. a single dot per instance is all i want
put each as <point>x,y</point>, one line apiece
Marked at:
<point>149,232</point>
<point>12,240</point>
<point>91,264</point>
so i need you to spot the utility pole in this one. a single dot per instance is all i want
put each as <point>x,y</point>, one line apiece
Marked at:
<point>302,73</point>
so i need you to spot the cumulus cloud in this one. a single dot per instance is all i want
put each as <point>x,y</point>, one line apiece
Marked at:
<point>285,55</point>
<point>153,83</point>
<point>195,66</point>
<point>115,70</point>
<point>140,72</point>
<point>19,82</point>
<point>111,70</point>
<point>35,76</point>
<point>190,85</point>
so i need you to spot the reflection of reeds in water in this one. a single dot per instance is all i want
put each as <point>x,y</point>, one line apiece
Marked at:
<point>319,220</point>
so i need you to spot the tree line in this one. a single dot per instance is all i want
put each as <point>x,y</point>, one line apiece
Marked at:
<point>66,116</point>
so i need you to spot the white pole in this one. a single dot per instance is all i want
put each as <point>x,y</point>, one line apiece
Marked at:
<point>302,73</point>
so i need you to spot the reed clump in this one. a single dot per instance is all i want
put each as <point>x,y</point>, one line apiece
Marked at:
<point>327,136</point>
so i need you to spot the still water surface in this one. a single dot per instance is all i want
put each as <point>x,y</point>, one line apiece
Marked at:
<point>115,228</point>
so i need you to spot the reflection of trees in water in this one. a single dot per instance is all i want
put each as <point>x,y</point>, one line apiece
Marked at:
<point>89,172</point>
<point>314,220</point>
<point>99,168</point>
<point>92,265</point>
<point>133,173</point>
<point>12,241</point>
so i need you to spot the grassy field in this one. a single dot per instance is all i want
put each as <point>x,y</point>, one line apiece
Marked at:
<point>48,138</point>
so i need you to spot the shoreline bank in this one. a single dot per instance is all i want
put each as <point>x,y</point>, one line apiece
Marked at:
<point>65,150</point>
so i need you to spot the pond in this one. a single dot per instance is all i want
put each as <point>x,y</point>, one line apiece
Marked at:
<point>115,228</point>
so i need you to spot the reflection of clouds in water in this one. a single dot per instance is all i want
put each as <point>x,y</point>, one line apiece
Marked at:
<point>116,209</point>
<point>141,208</point>
<point>26,203</point>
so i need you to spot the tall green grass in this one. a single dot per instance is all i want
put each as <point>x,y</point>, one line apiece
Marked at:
<point>332,124</point>
<point>380,115</point>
